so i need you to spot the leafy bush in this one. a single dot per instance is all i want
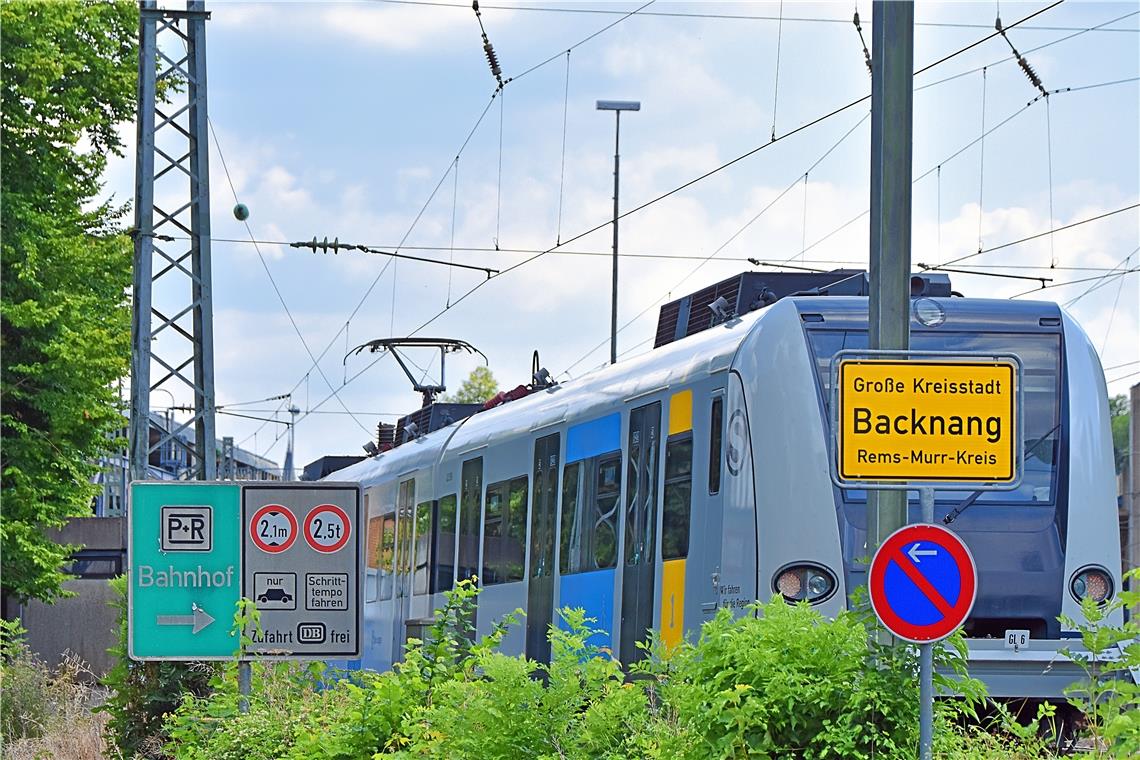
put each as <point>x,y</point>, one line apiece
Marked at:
<point>783,682</point>
<point>144,692</point>
<point>1108,697</point>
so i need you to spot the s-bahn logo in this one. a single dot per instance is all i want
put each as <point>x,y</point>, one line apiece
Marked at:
<point>927,420</point>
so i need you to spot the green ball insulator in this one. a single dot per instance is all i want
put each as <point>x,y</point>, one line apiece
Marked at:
<point>241,212</point>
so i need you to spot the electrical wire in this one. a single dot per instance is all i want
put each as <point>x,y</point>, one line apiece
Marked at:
<point>1035,236</point>
<point>562,166</point>
<point>722,16</point>
<point>693,181</point>
<point>1121,273</point>
<point>458,153</point>
<point>269,274</point>
<point>776,86</point>
<point>1099,285</point>
<point>1112,314</point>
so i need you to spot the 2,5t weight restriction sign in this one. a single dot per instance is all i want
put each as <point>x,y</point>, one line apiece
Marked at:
<point>327,528</point>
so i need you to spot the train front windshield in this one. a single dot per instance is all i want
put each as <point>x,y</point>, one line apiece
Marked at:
<point>1040,356</point>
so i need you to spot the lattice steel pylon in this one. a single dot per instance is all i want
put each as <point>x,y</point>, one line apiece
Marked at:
<point>173,329</point>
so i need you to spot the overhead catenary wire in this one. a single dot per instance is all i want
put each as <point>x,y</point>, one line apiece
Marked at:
<point>695,180</point>
<point>562,166</point>
<point>1077,33</point>
<point>1123,262</point>
<point>776,86</point>
<point>724,16</point>
<point>463,146</point>
<point>1101,277</point>
<point>269,274</point>
<point>1112,314</point>
<point>1026,239</point>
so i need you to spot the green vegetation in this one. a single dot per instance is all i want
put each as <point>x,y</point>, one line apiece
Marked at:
<point>479,386</point>
<point>1119,415</point>
<point>44,712</point>
<point>67,79</point>
<point>786,683</point>
<point>1111,704</point>
<point>144,692</point>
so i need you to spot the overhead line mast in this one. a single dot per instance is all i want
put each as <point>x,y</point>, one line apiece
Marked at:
<point>174,336</point>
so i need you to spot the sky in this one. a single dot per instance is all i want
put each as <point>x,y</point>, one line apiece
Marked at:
<point>375,123</point>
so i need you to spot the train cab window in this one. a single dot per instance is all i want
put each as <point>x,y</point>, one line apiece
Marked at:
<point>716,439</point>
<point>470,494</point>
<point>590,492</point>
<point>421,571</point>
<point>678,496</point>
<point>443,553</point>
<point>504,532</point>
<point>387,558</point>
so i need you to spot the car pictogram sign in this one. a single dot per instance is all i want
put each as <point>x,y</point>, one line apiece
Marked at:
<point>273,528</point>
<point>922,583</point>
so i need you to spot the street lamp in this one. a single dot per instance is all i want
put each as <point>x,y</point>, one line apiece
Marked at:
<point>617,106</point>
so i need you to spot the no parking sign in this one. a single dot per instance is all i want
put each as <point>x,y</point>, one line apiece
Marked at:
<point>923,583</point>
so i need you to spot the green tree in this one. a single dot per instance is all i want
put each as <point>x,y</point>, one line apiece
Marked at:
<point>479,386</point>
<point>67,79</point>
<point>1119,416</point>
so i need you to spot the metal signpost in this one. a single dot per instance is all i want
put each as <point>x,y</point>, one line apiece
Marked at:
<point>920,420</point>
<point>195,549</point>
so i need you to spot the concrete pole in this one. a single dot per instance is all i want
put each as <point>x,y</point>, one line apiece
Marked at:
<point>892,67</point>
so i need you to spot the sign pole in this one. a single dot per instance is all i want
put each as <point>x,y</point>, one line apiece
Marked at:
<point>926,660</point>
<point>888,305</point>
<point>245,678</point>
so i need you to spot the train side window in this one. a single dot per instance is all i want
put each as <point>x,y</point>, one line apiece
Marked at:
<point>386,565</point>
<point>469,501</point>
<point>716,440</point>
<point>372,558</point>
<point>590,492</point>
<point>422,553</point>
<point>444,550</point>
<point>570,535</point>
<point>504,532</point>
<point>678,496</point>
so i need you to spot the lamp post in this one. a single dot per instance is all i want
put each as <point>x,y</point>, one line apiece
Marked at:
<point>617,106</point>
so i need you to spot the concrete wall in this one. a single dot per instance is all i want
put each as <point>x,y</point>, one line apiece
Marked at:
<point>85,624</point>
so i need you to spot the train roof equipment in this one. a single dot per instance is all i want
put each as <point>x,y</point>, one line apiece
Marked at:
<point>749,291</point>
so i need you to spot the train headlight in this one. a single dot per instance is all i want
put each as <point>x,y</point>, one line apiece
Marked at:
<point>804,582</point>
<point>929,312</point>
<point>1091,583</point>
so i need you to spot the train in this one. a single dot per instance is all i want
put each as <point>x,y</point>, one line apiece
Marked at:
<point>657,491</point>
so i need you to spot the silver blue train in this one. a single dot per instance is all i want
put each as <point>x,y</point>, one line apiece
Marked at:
<point>657,491</point>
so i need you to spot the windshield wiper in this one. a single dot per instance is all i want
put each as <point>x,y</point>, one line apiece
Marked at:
<point>965,503</point>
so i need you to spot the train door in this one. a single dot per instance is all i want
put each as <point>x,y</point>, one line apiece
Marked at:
<point>540,591</point>
<point>405,516</point>
<point>708,576</point>
<point>470,520</point>
<point>676,517</point>
<point>641,508</point>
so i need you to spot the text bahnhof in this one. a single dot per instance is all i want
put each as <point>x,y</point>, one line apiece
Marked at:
<point>866,420</point>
